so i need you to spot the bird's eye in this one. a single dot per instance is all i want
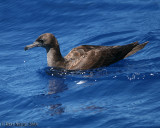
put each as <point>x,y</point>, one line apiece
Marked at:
<point>40,40</point>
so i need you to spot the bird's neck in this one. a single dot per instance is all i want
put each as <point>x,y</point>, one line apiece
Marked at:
<point>54,58</point>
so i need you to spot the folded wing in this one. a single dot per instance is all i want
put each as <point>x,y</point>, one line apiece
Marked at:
<point>90,56</point>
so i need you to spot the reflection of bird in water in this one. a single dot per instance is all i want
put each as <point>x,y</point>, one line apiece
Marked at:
<point>56,109</point>
<point>85,56</point>
<point>56,85</point>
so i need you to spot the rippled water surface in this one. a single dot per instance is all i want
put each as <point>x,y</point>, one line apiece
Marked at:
<point>123,95</point>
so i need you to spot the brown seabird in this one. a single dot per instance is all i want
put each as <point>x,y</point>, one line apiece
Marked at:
<point>85,56</point>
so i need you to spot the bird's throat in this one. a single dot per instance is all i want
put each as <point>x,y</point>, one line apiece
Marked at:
<point>54,58</point>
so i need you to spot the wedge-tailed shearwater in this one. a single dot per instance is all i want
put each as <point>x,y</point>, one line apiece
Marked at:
<point>85,56</point>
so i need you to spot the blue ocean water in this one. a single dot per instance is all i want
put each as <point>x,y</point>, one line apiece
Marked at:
<point>123,95</point>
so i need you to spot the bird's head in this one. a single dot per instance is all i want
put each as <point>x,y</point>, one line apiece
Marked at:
<point>46,40</point>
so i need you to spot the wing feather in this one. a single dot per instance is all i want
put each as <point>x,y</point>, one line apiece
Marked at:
<point>90,56</point>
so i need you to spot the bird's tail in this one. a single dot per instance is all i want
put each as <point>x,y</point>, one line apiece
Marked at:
<point>137,48</point>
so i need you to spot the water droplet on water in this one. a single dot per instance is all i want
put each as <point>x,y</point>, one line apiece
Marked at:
<point>81,82</point>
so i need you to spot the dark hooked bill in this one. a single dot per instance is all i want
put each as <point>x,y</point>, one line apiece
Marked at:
<point>35,44</point>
